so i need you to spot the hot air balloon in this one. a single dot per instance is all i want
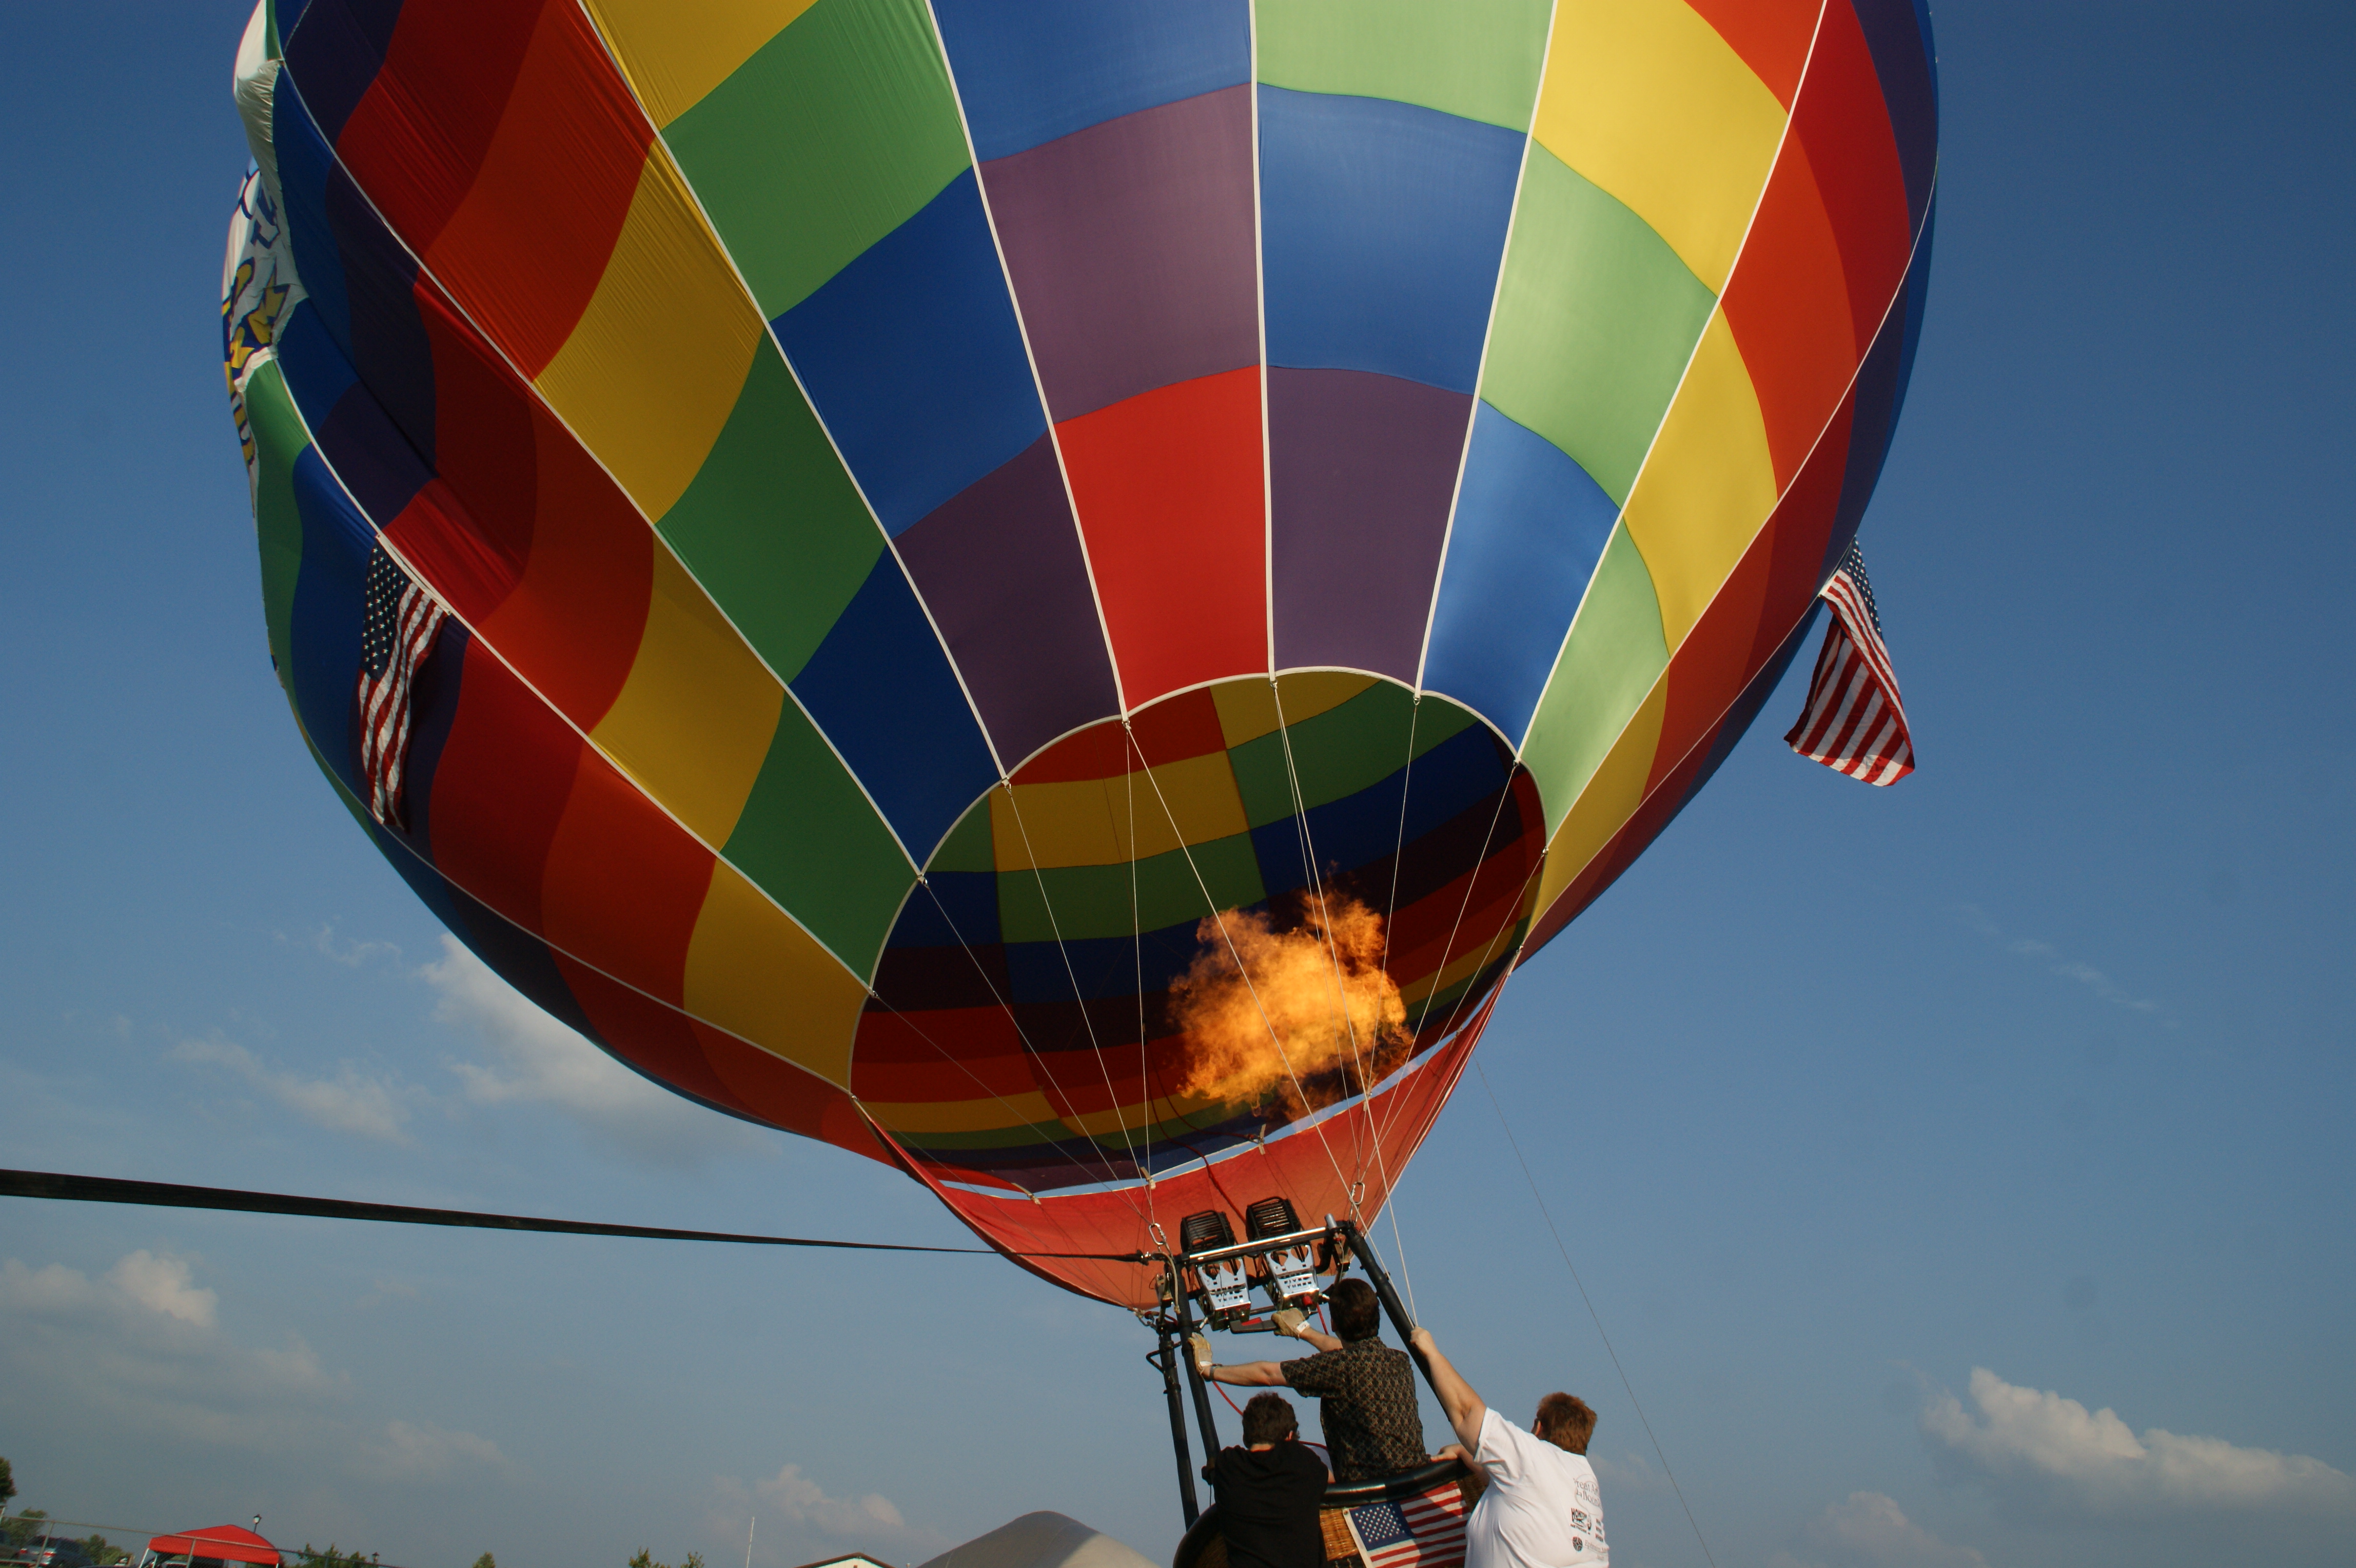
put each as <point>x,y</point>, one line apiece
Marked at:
<point>1055,592</point>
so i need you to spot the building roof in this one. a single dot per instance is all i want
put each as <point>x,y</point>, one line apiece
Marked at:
<point>227,1542</point>
<point>1042,1541</point>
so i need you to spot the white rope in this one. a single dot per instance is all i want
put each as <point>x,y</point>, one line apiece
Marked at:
<point>1365,1083</point>
<point>1471,881</point>
<point>1398,842</point>
<point>1137,945</point>
<point>942,1052</point>
<point>1012,1018</point>
<point>1390,912</point>
<point>1095,1049</point>
<point>1218,919</point>
<point>1625,1385</point>
<point>1536,869</point>
<point>1338,994</point>
<point>1399,1246</point>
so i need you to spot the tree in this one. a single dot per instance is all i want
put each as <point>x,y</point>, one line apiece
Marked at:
<point>309,1557</point>
<point>19,1534</point>
<point>23,1528</point>
<point>485,1561</point>
<point>645,1559</point>
<point>7,1485</point>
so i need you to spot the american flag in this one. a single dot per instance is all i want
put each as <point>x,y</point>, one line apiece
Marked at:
<point>1853,721</point>
<point>397,628</point>
<point>1426,1531</point>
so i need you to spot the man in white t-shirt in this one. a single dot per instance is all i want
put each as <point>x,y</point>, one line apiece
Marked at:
<point>1541,1508</point>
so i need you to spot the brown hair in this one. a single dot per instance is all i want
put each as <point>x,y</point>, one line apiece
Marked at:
<point>1268,1418</point>
<point>1357,1311</point>
<point>1565,1421</point>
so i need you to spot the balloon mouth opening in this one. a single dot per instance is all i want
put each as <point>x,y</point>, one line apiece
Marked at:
<point>1202,932</point>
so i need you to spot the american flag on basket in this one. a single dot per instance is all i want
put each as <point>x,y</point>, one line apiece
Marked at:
<point>1426,1531</point>
<point>1853,721</point>
<point>397,628</point>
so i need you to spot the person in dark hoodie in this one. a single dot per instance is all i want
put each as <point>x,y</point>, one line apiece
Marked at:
<point>1268,1491</point>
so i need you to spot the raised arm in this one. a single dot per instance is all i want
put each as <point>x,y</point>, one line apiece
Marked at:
<point>1296,1324</point>
<point>1457,1401</point>
<point>1250,1375</point>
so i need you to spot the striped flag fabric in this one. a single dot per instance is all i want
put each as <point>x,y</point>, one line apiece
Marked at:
<point>1425,1530</point>
<point>1853,721</point>
<point>398,625</point>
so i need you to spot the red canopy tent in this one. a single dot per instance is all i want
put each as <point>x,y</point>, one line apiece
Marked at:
<point>218,1544</point>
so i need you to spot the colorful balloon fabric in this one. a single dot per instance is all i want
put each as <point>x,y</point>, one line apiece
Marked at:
<point>1052,591</point>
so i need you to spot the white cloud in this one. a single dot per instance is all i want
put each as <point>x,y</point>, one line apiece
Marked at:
<point>2095,981</point>
<point>802,1501</point>
<point>1870,1530</point>
<point>142,1344</point>
<point>529,1059</point>
<point>797,1507</point>
<point>424,1452</point>
<point>351,955</point>
<point>140,1283</point>
<point>162,1285</point>
<point>351,1101</point>
<point>2048,1455</point>
<point>140,1348</point>
<point>538,1060</point>
<point>388,1290</point>
<point>2050,957</point>
<point>1632,1472</point>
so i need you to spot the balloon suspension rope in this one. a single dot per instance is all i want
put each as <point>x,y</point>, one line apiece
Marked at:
<point>172,1194</point>
<point>1625,1385</point>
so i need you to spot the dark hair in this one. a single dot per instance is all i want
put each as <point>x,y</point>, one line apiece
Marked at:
<point>1268,1418</point>
<point>1357,1311</point>
<point>1565,1421</point>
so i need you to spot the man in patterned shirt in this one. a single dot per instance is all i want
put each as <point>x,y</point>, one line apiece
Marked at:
<point>1365,1390</point>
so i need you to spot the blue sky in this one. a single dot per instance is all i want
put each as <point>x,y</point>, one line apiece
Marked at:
<point>1897,1134</point>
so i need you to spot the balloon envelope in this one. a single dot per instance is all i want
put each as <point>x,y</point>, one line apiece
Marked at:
<point>1054,594</point>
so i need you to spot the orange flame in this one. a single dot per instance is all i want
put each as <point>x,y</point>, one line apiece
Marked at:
<point>1308,1014</point>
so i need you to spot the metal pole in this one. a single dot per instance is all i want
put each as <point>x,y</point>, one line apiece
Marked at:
<point>1169,1353</point>
<point>1194,1377</point>
<point>1393,1307</point>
